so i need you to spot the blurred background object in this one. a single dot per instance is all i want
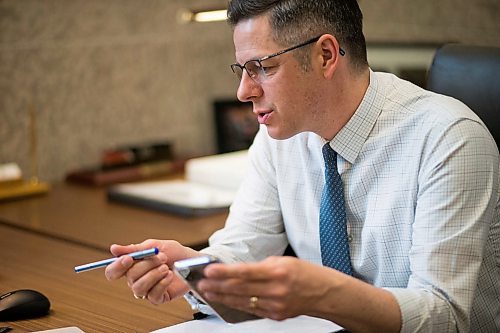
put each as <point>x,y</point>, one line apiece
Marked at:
<point>110,73</point>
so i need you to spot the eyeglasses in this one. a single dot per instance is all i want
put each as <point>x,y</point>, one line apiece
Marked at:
<point>258,72</point>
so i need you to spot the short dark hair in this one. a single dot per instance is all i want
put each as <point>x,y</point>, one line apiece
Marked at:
<point>294,21</point>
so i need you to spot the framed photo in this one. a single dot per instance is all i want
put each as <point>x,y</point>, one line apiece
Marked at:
<point>236,125</point>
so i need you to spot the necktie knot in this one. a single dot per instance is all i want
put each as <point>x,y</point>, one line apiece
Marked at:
<point>330,157</point>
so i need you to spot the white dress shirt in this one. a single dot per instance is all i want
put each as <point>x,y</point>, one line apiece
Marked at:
<point>421,183</point>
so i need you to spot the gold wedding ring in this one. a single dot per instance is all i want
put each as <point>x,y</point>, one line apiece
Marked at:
<point>253,302</point>
<point>139,297</point>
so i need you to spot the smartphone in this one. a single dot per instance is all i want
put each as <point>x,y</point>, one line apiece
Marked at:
<point>191,271</point>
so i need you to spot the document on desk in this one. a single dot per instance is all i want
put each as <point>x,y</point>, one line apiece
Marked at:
<point>210,187</point>
<point>214,324</point>
<point>72,329</point>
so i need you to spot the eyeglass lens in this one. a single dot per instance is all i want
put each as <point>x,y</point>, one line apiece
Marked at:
<point>253,68</point>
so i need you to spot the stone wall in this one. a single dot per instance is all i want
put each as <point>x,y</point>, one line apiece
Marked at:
<point>104,73</point>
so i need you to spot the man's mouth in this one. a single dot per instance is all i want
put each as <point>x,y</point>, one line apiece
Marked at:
<point>263,116</point>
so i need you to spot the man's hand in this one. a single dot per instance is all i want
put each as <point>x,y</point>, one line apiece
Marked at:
<point>284,287</point>
<point>151,278</point>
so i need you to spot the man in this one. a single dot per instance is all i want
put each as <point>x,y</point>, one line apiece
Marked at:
<point>418,205</point>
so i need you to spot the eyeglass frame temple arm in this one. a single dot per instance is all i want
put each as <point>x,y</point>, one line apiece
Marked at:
<point>312,40</point>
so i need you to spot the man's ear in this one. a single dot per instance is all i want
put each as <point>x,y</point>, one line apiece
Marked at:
<point>329,55</point>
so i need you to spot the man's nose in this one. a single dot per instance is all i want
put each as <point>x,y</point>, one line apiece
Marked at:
<point>248,89</point>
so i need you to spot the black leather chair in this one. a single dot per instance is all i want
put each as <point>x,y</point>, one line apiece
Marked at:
<point>471,74</point>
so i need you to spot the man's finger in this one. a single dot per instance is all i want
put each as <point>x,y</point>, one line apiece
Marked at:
<point>252,271</point>
<point>118,269</point>
<point>118,250</point>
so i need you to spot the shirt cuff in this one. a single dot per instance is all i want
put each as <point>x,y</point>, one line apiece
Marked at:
<point>221,253</point>
<point>423,311</point>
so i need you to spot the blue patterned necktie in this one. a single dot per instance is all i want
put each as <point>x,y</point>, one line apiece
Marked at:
<point>332,217</point>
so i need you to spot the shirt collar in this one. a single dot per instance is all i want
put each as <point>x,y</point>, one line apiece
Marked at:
<point>350,139</point>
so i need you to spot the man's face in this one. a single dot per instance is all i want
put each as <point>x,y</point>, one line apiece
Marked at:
<point>285,100</point>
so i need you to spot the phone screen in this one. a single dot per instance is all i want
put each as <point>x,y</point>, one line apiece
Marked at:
<point>191,271</point>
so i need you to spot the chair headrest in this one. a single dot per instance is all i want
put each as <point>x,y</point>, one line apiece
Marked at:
<point>471,74</point>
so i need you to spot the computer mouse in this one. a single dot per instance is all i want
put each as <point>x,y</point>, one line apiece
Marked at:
<point>23,304</point>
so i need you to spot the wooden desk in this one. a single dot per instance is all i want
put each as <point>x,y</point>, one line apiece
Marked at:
<point>83,215</point>
<point>86,300</point>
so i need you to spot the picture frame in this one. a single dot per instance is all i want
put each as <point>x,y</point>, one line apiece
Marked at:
<point>236,125</point>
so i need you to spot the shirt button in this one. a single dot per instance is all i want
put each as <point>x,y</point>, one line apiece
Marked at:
<point>349,238</point>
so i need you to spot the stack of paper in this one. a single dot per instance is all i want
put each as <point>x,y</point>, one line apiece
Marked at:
<point>225,171</point>
<point>210,186</point>
<point>213,324</point>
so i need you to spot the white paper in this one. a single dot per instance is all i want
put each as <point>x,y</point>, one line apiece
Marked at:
<point>71,329</point>
<point>179,192</point>
<point>213,324</point>
<point>211,182</point>
<point>10,171</point>
<point>222,171</point>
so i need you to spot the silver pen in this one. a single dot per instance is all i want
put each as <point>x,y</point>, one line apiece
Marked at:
<point>135,255</point>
